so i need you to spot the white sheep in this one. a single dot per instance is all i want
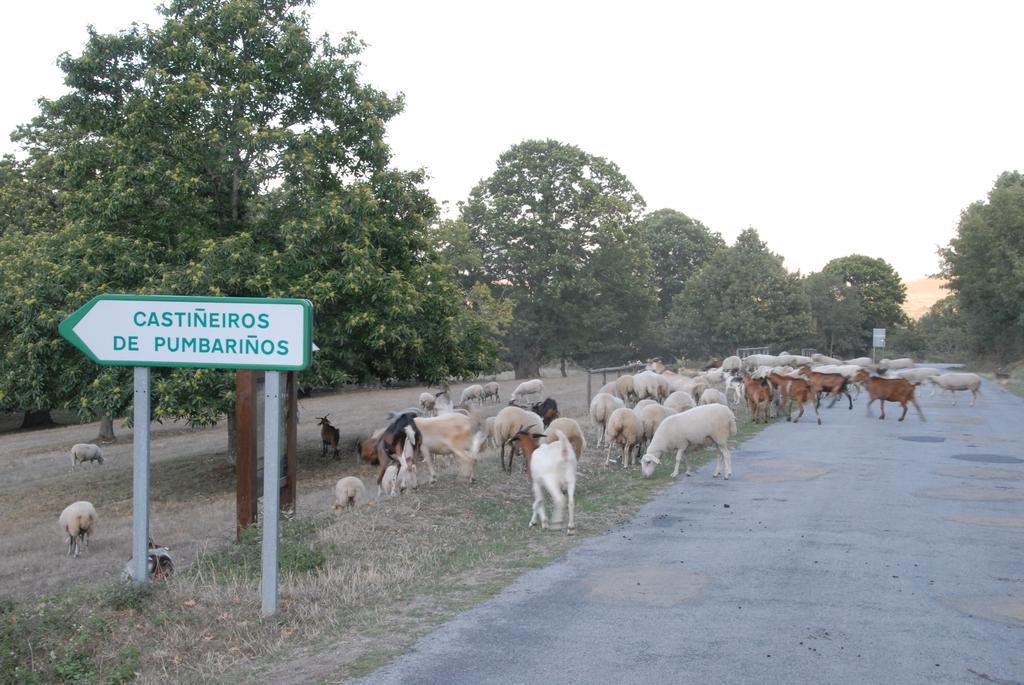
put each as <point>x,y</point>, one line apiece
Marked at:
<point>510,421</point>
<point>397,479</point>
<point>609,389</point>
<point>824,359</point>
<point>902,363</point>
<point>601,408</point>
<point>78,521</point>
<point>572,431</point>
<point>471,393</point>
<point>427,401</point>
<point>712,423</point>
<point>732,363</point>
<point>651,417</point>
<point>680,400</point>
<point>954,382</point>
<point>919,374</point>
<point>713,396</point>
<point>648,384</point>
<point>83,452</point>
<point>349,492</point>
<point>491,389</point>
<point>863,362</point>
<point>624,428</point>
<point>624,388</point>
<point>531,387</point>
<point>646,402</point>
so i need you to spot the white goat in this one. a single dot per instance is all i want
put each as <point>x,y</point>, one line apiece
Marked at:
<point>455,433</point>
<point>553,468</point>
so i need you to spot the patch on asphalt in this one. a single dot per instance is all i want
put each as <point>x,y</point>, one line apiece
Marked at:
<point>657,586</point>
<point>1000,608</point>
<point>922,438</point>
<point>962,419</point>
<point>980,473</point>
<point>975,494</point>
<point>988,458</point>
<point>988,521</point>
<point>779,471</point>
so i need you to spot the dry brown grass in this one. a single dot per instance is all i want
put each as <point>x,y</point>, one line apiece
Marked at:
<point>355,589</point>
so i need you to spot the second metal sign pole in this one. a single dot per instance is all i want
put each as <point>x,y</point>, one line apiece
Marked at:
<point>271,488</point>
<point>140,477</point>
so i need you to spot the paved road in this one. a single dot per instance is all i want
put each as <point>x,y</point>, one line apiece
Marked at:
<point>859,552</point>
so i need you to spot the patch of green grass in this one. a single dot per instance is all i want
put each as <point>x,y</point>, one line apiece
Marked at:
<point>125,596</point>
<point>368,663</point>
<point>298,551</point>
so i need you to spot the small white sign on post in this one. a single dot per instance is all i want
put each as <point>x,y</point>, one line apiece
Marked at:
<point>878,338</point>
<point>197,332</point>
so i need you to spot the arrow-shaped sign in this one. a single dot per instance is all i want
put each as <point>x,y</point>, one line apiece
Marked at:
<point>202,332</point>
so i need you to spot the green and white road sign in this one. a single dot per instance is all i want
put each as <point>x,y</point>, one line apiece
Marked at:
<point>198,332</point>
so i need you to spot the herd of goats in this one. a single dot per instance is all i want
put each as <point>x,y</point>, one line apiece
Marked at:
<point>643,416</point>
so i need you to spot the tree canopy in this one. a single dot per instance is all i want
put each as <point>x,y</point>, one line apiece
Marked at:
<point>743,296</point>
<point>555,232</point>
<point>880,288</point>
<point>838,314</point>
<point>227,152</point>
<point>985,264</point>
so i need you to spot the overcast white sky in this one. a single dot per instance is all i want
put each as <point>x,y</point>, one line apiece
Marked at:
<point>831,128</point>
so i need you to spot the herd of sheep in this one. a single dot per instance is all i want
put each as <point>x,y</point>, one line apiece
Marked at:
<point>642,417</point>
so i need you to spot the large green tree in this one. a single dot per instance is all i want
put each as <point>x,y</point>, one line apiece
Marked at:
<point>743,296</point>
<point>555,228</point>
<point>234,154</point>
<point>985,265</point>
<point>838,314</point>
<point>880,288</point>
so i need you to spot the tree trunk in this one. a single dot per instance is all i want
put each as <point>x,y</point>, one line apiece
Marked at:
<point>232,438</point>
<point>106,429</point>
<point>38,418</point>
<point>562,368</point>
<point>527,366</point>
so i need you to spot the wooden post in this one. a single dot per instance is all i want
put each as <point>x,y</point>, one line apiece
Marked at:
<point>292,440</point>
<point>245,446</point>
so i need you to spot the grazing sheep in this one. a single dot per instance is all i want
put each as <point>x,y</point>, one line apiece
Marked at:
<point>955,382</point>
<point>489,424</point>
<point>83,452</point>
<point>427,402</point>
<point>680,400</point>
<point>624,388</point>
<point>510,421</point>
<point>349,492</point>
<point>473,392</point>
<point>710,424</point>
<point>78,521</point>
<point>572,431</point>
<point>625,429</point>
<point>532,387</point>
<point>651,417</point>
<point>644,403</point>
<point>491,389</point>
<point>609,389</point>
<point>713,396</point>
<point>648,384</point>
<point>601,408</point>
<point>329,437</point>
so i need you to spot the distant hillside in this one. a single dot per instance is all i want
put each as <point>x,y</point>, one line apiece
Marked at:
<point>922,294</point>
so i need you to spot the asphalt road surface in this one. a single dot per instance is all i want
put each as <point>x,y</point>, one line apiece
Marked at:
<point>859,551</point>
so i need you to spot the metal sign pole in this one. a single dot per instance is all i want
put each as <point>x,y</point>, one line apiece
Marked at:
<point>271,488</point>
<point>140,478</point>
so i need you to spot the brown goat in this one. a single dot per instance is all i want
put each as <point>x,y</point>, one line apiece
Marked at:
<point>795,389</point>
<point>546,410</point>
<point>832,383</point>
<point>757,392</point>
<point>894,390</point>
<point>329,437</point>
